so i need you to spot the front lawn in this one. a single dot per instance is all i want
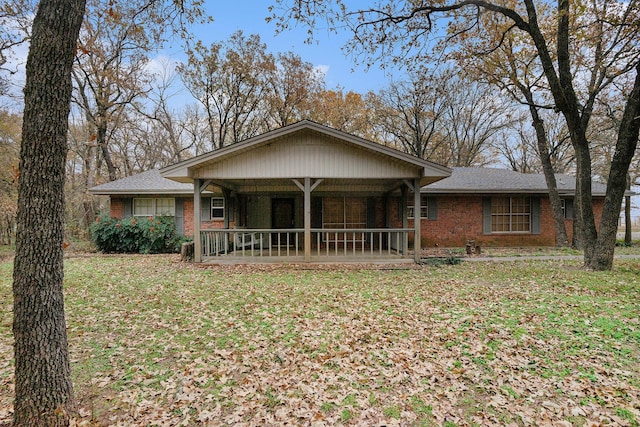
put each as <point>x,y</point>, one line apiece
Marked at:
<point>157,342</point>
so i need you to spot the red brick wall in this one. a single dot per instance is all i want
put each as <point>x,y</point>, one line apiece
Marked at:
<point>187,206</point>
<point>460,220</point>
<point>188,219</point>
<point>117,208</point>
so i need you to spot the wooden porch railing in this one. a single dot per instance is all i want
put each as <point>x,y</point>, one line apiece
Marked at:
<point>325,243</point>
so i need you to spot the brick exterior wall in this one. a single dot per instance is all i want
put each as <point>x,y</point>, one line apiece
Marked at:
<point>117,208</point>
<point>188,219</point>
<point>459,220</point>
<point>187,207</point>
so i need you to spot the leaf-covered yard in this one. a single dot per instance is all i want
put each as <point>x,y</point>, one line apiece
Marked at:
<point>157,342</point>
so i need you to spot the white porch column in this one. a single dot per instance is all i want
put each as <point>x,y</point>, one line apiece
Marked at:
<point>417,221</point>
<point>197,241</point>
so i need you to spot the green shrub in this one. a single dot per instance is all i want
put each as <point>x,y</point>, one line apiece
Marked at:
<point>147,235</point>
<point>438,261</point>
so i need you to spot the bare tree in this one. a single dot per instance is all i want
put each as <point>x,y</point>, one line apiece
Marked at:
<point>292,85</point>
<point>228,79</point>
<point>410,114</point>
<point>195,125</point>
<point>83,171</point>
<point>16,18</point>
<point>164,124</point>
<point>110,70</point>
<point>475,117</point>
<point>518,148</point>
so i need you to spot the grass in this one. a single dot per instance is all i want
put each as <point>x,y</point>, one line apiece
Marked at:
<point>157,342</point>
<point>6,252</point>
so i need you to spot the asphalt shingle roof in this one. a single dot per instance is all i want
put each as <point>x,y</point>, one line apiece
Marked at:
<point>462,180</point>
<point>146,182</point>
<point>488,180</point>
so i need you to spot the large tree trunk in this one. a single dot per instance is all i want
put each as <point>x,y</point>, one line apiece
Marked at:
<point>584,204</point>
<point>602,254</point>
<point>43,389</point>
<point>628,236</point>
<point>549,175</point>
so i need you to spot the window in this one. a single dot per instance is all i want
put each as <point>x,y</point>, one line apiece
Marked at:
<point>345,213</point>
<point>342,212</point>
<point>165,207</point>
<point>154,207</point>
<point>217,208</point>
<point>510,214</point>
<point>424,206</point>
<point>567,208</point>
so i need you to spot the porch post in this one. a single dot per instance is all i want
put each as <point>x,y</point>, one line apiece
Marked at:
<point>197,241</point>
<point>307,188</point>
<point>417,221</point>
<point>227,202</point>
<point>405,220</point>
<point>307,219</point>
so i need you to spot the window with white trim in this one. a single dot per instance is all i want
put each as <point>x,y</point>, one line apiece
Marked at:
<point>424,207</point>
<point>154,207</point>
<point>217,208</point>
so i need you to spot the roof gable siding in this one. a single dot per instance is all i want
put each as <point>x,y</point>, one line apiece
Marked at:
<point>307,154</point>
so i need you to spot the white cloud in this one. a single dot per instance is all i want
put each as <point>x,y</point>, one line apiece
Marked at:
<point>322,70</point>
<point>162,66</point>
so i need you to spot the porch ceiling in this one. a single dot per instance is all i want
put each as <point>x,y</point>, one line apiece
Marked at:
<point>286,185</point>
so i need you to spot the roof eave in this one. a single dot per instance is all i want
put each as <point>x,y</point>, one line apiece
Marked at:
<point>499,191</point>
<point>132,192</point>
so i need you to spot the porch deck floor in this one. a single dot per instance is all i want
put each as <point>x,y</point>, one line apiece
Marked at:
<point>341,257</point>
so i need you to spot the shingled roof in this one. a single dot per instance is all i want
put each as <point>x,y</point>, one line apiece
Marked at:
<point>502,181</point>
<point>150,182</point>
<point>462,180</point>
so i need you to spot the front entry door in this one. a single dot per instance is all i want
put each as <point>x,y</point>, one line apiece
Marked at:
<point>282,216</point>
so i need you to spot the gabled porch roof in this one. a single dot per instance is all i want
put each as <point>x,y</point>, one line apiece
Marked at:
<point>269,162</point>
<point>304,157</point>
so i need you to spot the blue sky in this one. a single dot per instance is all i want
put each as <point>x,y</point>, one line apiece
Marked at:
<point>325,53</point>
<point>249,16</point>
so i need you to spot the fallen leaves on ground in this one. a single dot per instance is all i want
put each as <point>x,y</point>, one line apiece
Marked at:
<point>157,342</point>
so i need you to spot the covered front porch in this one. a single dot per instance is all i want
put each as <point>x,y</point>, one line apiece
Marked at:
<point>305,220</point>
<point>327,245</point>
<point>305,193</point>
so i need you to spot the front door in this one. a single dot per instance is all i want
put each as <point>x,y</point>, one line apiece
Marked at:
<point>282,217</point>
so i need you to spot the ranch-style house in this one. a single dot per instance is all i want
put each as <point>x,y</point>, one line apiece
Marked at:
<point>310,193</point>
